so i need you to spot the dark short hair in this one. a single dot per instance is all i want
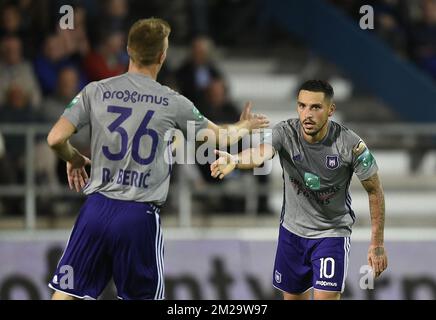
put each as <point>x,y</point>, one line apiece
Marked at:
<point>318,86</point>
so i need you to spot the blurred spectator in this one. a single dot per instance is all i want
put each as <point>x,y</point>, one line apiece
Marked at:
<point>220,109</point>
<point>423,41</point>
<point>15,23</point>
<point>35,16</point>
<point>15,70</point>
<point>67,87</point>
<point>10,21</point>
<point>16,109</point>
<point>51,110</point>
<point>197,72</point>
<point>50,61</point>
<point>218,106</point>
<point>116,15</point>
<point>110,58</point>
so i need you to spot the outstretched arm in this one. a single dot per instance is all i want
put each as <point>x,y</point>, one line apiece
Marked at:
<point>229,134</point>
<point>377,258</point>
<point>58,140</point>
<point>247,159</point>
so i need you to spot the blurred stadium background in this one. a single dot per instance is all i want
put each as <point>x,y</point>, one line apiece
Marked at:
<point>220,237</point>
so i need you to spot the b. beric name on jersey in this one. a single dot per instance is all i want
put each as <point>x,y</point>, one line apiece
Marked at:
<point>134,96</point>
<point>126,177</point>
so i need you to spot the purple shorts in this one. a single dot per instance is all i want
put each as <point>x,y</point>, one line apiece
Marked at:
<point>113,238</point>
<point>303,263</point>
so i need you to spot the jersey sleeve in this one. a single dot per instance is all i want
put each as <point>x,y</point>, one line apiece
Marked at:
<point>364,164</point>
<point>273,137</point>
<point>78,110</point>
<point>188,115</point>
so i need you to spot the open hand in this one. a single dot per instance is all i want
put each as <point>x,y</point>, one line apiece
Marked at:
<point>76,173</point>
<point>255,121</point>
<point>377,259</point>
<point>225,164</point>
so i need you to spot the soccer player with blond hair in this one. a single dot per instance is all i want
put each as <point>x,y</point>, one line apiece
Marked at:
<point>118,233</point>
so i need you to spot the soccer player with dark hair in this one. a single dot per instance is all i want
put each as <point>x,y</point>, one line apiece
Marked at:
<point>117,233</point>
<point>318,157</point>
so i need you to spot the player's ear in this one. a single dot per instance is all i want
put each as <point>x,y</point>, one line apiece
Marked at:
<point>162,56</point>
<point>129,53</point>
<point>332,109</point>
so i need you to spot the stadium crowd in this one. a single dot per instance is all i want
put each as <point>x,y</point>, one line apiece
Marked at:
<point>43,67</point>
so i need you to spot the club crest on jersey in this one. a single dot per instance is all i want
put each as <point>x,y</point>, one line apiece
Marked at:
<point>297,157</point>
<point>332,162</point>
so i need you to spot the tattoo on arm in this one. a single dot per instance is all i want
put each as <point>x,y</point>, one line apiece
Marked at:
<point>379,251</point>
<point>376,207</point>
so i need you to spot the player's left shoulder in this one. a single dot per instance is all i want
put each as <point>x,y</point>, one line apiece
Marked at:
<point>170,92</point>
<point>341,128</point>
<point>92,88</point>
<point>353,141</point>
<point>176,97</point>
<point>344,134</point>
<point>347,141</point>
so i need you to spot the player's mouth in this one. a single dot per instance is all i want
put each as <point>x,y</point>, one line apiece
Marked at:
<point>308,124</point>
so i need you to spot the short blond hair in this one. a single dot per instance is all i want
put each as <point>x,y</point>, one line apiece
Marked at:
<point>146,40</point>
